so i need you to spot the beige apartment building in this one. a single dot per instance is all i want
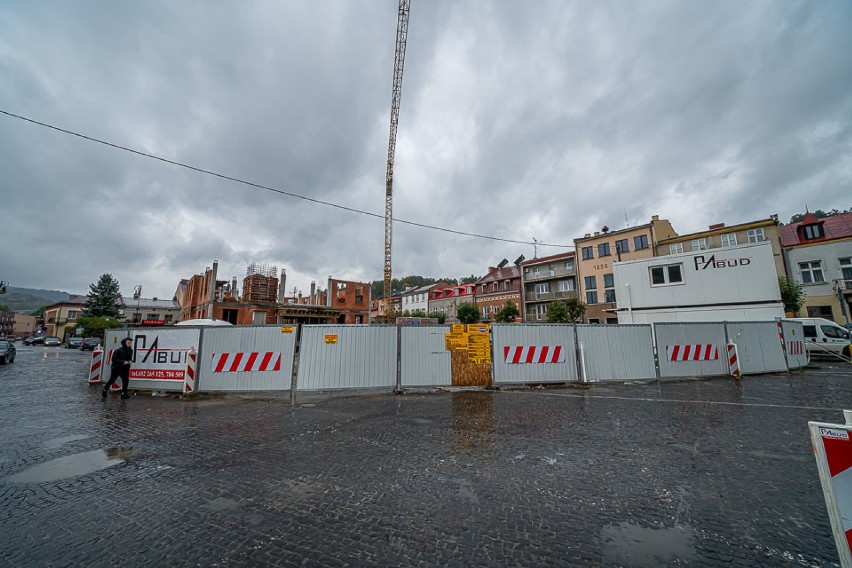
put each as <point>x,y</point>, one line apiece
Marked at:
<point>595,255</point>
<point>719,236</point>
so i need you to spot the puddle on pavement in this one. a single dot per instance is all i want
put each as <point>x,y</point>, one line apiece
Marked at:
<point>73,465</point>
<point>59,442</point>
<point>631,545</point>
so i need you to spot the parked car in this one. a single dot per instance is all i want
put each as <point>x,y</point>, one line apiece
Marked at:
<point>822,335</point>
<point>11,338</point>
<point>52,341</point>
<point>73,342</point>
<point>7,352</point>
<point>89,344</point>
<point>34,341</point>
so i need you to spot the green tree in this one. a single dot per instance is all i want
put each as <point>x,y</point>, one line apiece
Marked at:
<point>508,313</point>
<point>440,316</point>
<point>792,294</point>
<point>94,326</point>
<point>5,308</point>
<point>569,310</point>
<point>469,280</point>
<point>467,312</point>
<point>102,297</point>
<point>39,313</point>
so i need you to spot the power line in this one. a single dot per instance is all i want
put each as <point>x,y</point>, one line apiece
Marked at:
<point>272,189</point>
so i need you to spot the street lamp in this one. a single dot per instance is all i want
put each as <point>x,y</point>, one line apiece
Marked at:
<point>137,295</point>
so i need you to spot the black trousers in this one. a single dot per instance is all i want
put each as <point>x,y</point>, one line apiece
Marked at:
<point>114,374</point>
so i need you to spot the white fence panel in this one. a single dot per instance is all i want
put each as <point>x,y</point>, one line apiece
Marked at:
<point>533,353</point>
<point>691,349</point>
<point>617,352</point>
<point>758,346</point>
<point>425,358</point>
<point>246,358</point>
<point>347,356</point>
<point>159,355</point>
<point>794,341</point>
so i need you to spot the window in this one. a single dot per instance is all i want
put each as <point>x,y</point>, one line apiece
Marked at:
<point>590,282</point>
<point>569,266</point>
<point>536,272</point>
<point>550,270</point>
<point>541,311</point>
<point>603,249</point>
<point>495,287</point>
<point>811,272</point>
<point>699,244</point>
<point>258,318</point>
<point>675,248</point>
<point>484,312</point>
<point>594,321</point>
<point>640,242</point>
<point>168,318</point>
<point>609,288</point>
<point>812,231</point>
<point>845,269</point>
<point>669,274</point>
<point>819,312</point>
<point>834,333</point>
<point>622,246</point>
<point>591,297</point>
<point>72,314</point>
<point>755,235</point>
<point>588,253</point>
<point>566,285</point>
<point>542,288</point>
<point>729,240</point>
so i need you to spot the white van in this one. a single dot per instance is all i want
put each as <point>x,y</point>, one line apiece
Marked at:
<point>823,335</point>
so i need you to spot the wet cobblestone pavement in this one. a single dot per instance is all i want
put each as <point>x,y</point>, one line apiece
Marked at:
<point>692,473</point>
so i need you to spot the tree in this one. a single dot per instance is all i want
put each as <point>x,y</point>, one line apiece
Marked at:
<point>94,326</point>
<point>5,308</point>
<point>467,312</point>
<point>507,313</point>
<point>39,313</point>
<point>570,310</point>
<point>440,316</point>
<point>792,294</point>
<point>468,279</point>
<point>102,297</point>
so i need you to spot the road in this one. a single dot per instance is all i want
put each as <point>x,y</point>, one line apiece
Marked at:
<point>692,472</point>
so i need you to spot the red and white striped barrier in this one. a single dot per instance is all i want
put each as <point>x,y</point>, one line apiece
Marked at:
<point>246,362</point>
<point>96,364</point>
<point>833,452</point>
<point>701,352</point>
<point>533,354</point>
<point>189,375</point>
<point>796,347</point>
<point>781,334</point>
<point>733,362</point>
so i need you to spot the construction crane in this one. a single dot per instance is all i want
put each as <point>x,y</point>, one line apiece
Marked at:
<point>398,64</point>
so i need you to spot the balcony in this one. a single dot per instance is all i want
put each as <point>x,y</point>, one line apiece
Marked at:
<point>548,274</point>
<point>844,285</point>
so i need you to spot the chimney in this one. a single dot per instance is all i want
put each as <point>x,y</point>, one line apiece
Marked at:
<point>655,218</point>
<point>282,286</point>
<point>716,226</point>
<point>212,296</point>
<point>597,234</point>
<point>313,292</point>
<point>234,287</point>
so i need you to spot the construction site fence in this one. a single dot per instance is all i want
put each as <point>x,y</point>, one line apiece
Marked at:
<point>334,357</point>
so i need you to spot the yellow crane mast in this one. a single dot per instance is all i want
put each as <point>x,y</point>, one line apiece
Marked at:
<point>398,64</point>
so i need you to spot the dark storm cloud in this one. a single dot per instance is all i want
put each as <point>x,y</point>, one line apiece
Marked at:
<point>518,120</point>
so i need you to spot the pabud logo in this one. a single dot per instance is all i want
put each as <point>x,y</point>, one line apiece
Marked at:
<point>703,263</point>
<point>156,355</point>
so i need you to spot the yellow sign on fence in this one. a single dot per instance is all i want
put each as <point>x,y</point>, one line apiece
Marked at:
<point>331,338</point>
<point>287,329</point>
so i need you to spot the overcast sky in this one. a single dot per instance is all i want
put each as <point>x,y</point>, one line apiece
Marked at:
<point>519,120</point>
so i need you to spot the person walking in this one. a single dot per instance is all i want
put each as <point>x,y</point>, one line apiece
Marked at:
<point>121,359</point>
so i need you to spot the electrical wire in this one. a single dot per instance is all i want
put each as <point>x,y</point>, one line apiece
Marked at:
<point>273,189</point>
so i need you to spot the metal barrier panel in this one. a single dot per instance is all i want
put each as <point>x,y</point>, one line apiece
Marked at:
<point>159,355</point>
<point>617,352</point>
<point>691,349</point>
<point>794,341</point>
<point>425,358</point>
<point>347,356</point>
<point>246,358</point>
<point>533,353</point>
<point>758,346</point>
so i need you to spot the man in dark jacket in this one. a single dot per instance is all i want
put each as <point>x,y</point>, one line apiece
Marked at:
<point>121,359</point>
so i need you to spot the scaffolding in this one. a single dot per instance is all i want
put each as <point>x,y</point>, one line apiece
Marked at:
<point>260,284</point>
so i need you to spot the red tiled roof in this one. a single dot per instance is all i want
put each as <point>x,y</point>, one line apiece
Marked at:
<point>500,274</point>
<point>560,256</point>
<point>835,227</point>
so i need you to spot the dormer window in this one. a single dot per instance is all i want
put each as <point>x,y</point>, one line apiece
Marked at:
<point>814,231</point>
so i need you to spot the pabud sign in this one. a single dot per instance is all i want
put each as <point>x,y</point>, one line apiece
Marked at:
<point>160,354</point>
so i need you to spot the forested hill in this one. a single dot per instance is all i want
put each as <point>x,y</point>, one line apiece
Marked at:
<point>26,300</point>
